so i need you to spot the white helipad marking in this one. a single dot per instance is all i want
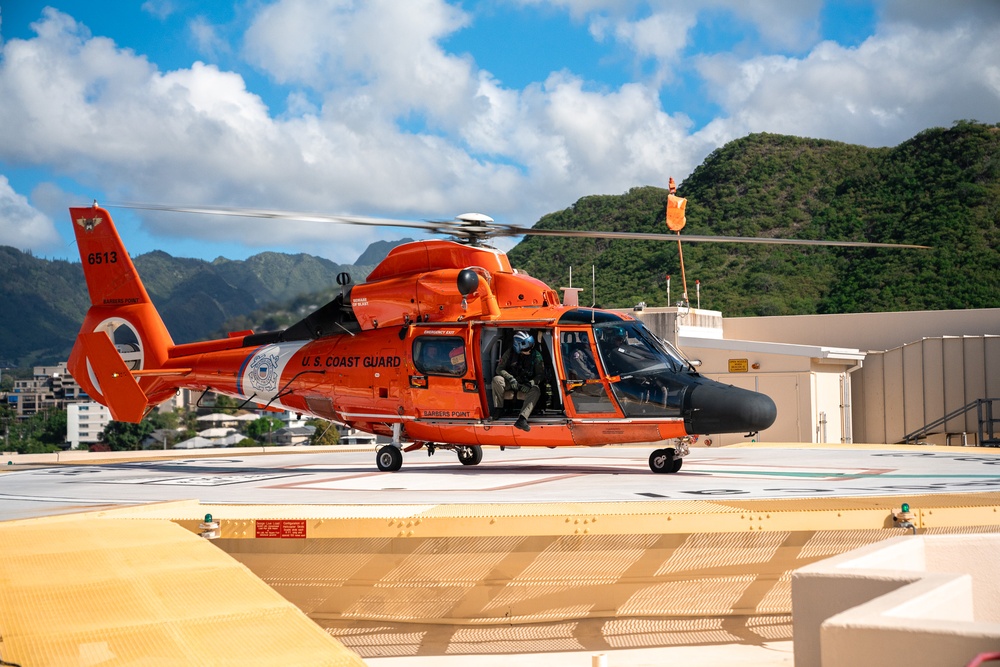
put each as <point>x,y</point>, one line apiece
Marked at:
<point>737,470</point>
<point>201,480</point>
<point>423,482</point>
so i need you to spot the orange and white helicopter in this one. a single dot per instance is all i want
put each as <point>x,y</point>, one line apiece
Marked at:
<point>411,352</point>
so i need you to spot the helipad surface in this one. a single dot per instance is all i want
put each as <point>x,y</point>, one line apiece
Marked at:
<point>615,474</point>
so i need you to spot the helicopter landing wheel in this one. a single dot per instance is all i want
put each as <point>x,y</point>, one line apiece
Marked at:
<point>471,455</point>
<point>662,461</point>
<point>389,459</point>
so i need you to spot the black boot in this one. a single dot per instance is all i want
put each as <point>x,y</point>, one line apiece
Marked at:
<point>522,424</point>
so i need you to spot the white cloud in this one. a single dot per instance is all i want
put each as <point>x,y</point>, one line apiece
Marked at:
<point>660,29</point>
<point>782,24</point>
<point>161,9</point>
<point>384,50</point>
<point>109,118</point>
<point>22,226</point>
<point>206,37</point>
<point>659,37</point>
<point>895,84</point>
<point>381,120</point>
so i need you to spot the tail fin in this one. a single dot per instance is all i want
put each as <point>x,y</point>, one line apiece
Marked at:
<point>112,377</point>
<point>121,309</point>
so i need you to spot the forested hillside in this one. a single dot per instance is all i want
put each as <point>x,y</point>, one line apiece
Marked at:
<point>42,302</point>
<point>941,188</point>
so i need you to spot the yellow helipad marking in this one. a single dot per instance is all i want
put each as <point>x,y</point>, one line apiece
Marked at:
<point>92,591</point>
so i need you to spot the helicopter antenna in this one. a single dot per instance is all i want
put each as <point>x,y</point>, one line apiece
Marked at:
<point>593,286</point>
<point>593,291</point>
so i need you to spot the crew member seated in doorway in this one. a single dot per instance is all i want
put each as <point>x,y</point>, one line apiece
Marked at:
<point>520,371</point>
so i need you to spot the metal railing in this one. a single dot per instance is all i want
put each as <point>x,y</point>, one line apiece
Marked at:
<point>988,433</point>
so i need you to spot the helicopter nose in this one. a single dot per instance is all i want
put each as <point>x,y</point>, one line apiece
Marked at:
<point>721,408</point>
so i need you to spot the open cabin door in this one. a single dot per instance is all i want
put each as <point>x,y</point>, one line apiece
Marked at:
<point>585,393</point>
<point>495,340</point>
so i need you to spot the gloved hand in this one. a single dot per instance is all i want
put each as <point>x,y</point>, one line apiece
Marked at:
<point>512,385</point>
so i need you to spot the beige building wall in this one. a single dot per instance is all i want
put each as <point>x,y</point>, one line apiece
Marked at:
<point>789,391</point>
<point>811,407</point>
<point>919,367</point>
<point>901,390</point>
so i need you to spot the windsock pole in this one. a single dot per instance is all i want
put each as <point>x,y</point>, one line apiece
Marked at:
<point>675,222</point>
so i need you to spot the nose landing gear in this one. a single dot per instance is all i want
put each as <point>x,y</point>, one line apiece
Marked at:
<point>669,459</point>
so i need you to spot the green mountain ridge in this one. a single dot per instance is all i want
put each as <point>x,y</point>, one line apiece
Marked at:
<point>941,188</point>
<point>43,302</point>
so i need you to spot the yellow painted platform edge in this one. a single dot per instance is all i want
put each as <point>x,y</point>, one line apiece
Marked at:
<point>666,517</point>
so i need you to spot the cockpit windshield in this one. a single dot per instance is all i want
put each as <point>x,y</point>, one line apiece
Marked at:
<point>628,348</point>
<point>650,377</point>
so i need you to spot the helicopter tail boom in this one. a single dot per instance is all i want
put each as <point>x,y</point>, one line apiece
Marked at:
<point>135,338</point>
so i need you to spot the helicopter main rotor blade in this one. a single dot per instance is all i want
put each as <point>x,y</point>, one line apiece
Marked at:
<point>288,215</point>
<point>476,227</point>
<point>509,230</point>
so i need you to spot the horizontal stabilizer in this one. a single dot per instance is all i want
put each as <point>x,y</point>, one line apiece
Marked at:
<point>122,394</point>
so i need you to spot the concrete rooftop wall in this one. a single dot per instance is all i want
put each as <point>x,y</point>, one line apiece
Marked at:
<point>915,601</point>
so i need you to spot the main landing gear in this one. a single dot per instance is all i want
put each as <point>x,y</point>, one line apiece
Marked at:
<point>390,457</point>
<point>470,455</point>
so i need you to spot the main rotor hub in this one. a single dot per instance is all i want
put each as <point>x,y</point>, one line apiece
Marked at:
<point>474,218</point>
<point>473,228</point>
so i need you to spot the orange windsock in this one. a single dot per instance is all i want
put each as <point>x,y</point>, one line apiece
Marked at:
<point>675,210</point>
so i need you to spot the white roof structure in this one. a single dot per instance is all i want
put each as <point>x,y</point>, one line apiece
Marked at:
<point>218,432</point>
<point>222,417</point>
<point>198,442</point>
<point>790,349</point>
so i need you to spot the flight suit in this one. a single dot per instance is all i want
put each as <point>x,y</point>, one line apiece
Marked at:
<point>528,371</point>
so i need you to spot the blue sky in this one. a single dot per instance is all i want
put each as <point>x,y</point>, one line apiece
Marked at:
<point>428,109</point>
